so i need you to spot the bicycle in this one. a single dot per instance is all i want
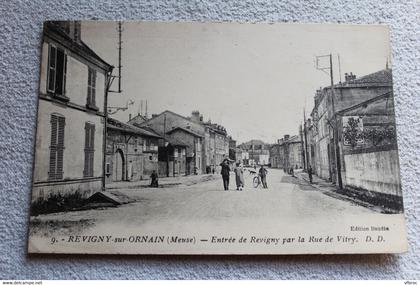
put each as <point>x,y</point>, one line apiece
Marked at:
<point>256,181</point>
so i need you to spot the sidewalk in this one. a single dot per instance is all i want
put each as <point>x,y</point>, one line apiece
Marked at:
<point>331,190</point>
<point>164,182</point>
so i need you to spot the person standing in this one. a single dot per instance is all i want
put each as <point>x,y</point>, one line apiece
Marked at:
<point>225,174</point>
<point>239,175</point>
<point>310,174</point>
<point>154,177</point>
<point>263,175</point>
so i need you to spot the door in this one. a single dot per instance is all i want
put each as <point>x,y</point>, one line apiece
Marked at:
<point>119,165</point>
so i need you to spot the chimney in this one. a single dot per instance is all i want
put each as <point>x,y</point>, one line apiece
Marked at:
<point>129,117</point>
<point>195,116</point>
<point>349,76</point>
<point>286,137</point>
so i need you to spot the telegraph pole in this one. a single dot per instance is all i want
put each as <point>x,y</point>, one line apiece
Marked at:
<point>335,125</point>
<point>335,129</point>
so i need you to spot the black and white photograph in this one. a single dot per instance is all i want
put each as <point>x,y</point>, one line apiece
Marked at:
<point>215,138</point>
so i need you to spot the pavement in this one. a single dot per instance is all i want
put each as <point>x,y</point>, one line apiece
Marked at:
<point>163,182</point>
<point>330,189</point>
<point>200,202</point>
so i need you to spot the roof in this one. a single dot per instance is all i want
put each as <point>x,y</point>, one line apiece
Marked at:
<point>172,141</point>
<point>175,141</point>
<point>52,29</point>
<point>126,128</point>
<point>185,130</point>
<point>380,105</point>
<point>135,119</point>
<point>254,142</point>
<point>379,78</point>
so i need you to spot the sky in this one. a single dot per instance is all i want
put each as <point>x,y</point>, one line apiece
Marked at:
<point>254,79</point>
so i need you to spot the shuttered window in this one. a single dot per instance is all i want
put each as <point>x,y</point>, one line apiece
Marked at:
<point>56,147</point>
<point>91,94</point>
<point>57,65</point>
<point>89,149</point>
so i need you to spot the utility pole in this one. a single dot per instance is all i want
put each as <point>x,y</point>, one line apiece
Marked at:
<point>167,145</point>
<point>119,54</point>
<point>335,125</point>
<point>306,141</point>
<point>335,129</point>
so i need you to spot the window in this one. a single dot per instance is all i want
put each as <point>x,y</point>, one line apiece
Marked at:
<point>108,168</point>
<point>56,147</point>
<point>91,89</point>
<point>57,65</point>
<point>89,149</point>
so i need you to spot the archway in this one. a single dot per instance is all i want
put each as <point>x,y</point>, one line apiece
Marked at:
<point>119,165</point>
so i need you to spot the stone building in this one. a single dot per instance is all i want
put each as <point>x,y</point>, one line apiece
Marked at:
<point>131,152</point>
<point>173,157</point>
<point>194,148</point>
<point>69,154</point>
<point>171,125</point>
<point>277,154</point>
<point>346,94</point>
<point>259,152</point>
<point>216,145</point>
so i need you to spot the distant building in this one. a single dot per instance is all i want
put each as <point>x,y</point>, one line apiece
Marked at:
<point>258,151</point>
<point>69,155</point>
<point>131,152</point>
<point>277,154</point>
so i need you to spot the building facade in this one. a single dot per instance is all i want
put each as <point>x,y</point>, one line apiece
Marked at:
<point>131,152</point>
<point>327,103</point>
<point>191,133</point>
<point>71,112</point>
<point>258,151</point>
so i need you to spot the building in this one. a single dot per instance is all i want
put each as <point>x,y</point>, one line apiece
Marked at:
<point>287,153</point>
<point>189,132</point>
<point>368,148</point>
<point>345,95</point>
<point>207,144</point>
<point>258,151</point>
<point>194,148</point>
<point>173,158</point>
<point>131,152</point>
<point>277,154</point>
<point>69,155</point>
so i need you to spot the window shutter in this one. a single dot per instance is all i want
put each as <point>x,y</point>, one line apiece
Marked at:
<point>89,88</point>
<point>52,60</point>
<point>65,74</point>
<point>53,148</point>
<point>59,82</point>
<point>89,150</point>
<point>92,148</point>
<point>56,148</point>
<point>93,95</point>
<point>60,147</point>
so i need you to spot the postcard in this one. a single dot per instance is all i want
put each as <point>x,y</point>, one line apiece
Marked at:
<point>215,138</point>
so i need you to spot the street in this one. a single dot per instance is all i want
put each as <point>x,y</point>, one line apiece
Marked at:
<point>287,200</point>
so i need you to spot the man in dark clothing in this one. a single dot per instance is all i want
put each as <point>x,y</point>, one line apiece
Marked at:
<point>310,174</point>
<point>263,175</point>
<point>225,174</point>
<point>154,178</point>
